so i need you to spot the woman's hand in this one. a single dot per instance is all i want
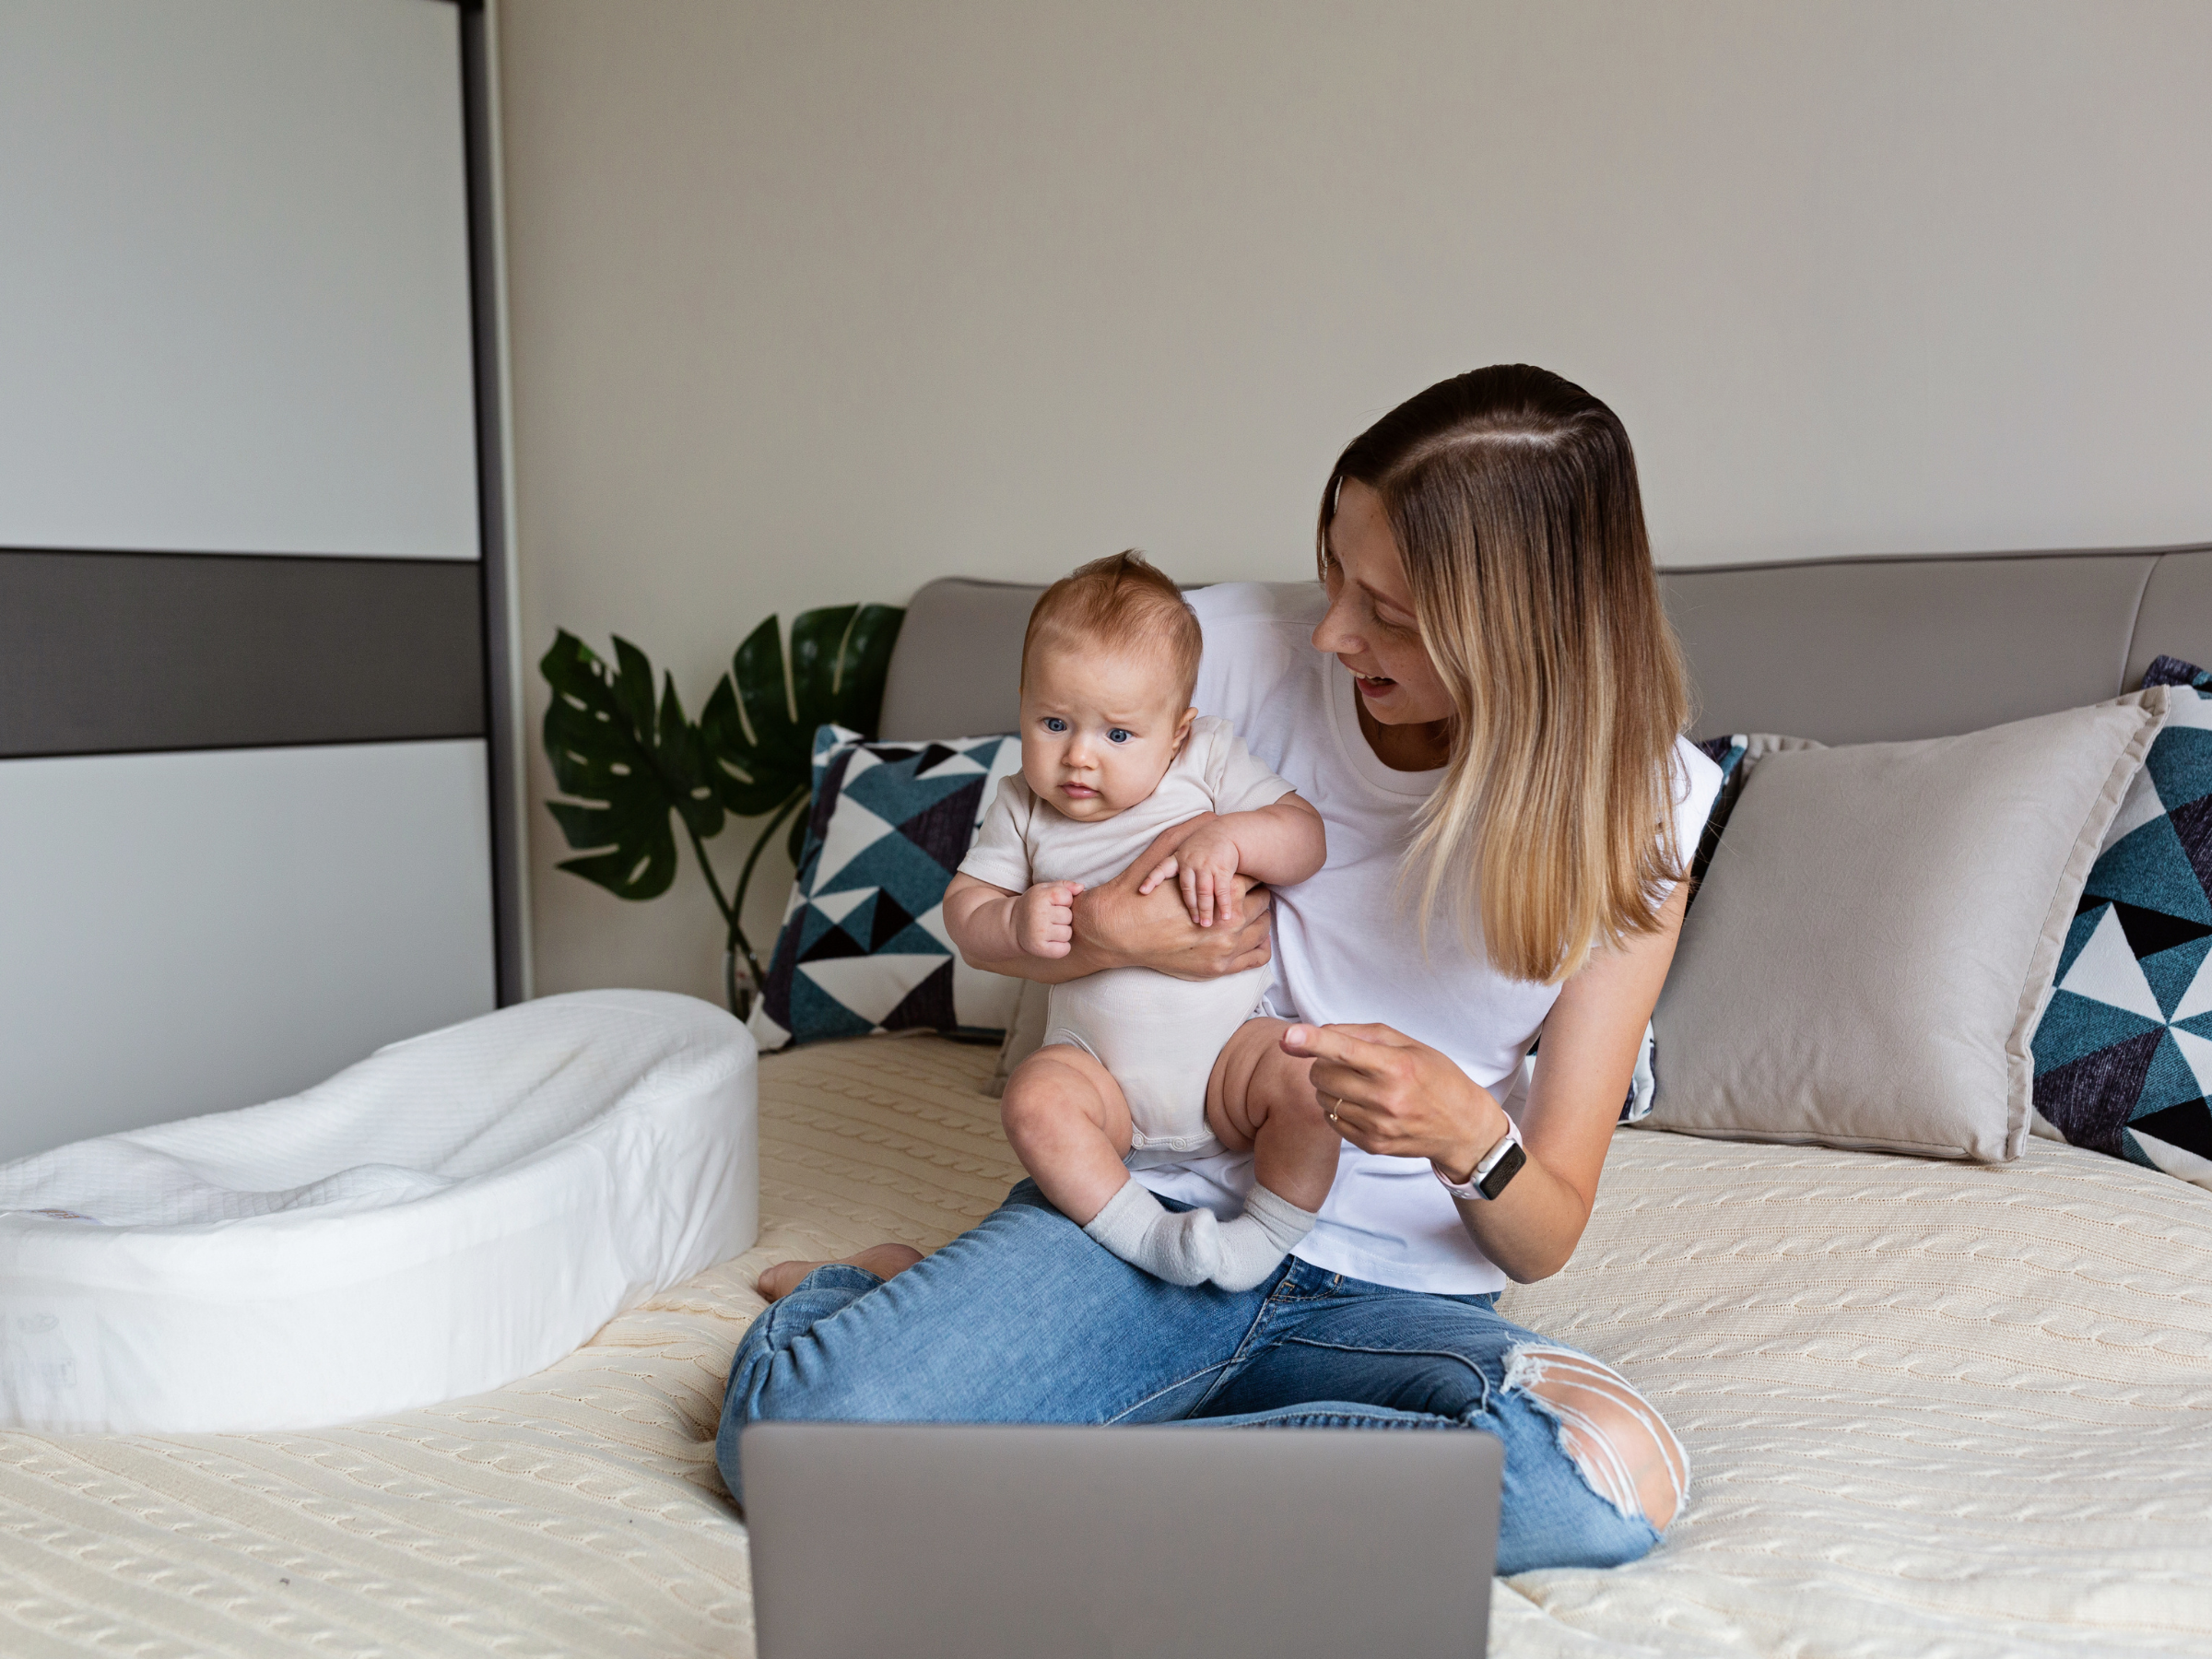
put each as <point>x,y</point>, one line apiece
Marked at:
<point>1401,1099</point>
<point>1113,925</point>
<point>1118,925</point>
<point>1395,1095</point>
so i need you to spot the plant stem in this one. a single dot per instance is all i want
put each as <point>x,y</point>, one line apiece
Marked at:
<point>699,850</point>
<point>745,881</point>
<point>733,908</point>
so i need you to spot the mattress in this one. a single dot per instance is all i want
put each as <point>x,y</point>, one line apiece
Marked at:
<point>452,1214</point>
<point>1933,1408</point>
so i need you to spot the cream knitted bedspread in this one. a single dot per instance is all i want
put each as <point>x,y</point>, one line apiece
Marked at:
<point>1932,1409</point>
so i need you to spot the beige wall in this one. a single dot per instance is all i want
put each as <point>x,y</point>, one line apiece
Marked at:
<point>814,301</point>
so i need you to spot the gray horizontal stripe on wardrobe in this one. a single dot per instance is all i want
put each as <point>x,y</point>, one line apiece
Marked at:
<point>120,652</point>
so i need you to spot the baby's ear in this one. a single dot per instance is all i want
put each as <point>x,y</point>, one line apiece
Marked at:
<point>1182,727</point>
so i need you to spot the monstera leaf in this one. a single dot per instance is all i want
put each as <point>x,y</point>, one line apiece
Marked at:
<point>632,762</point>
<point>758,729</point>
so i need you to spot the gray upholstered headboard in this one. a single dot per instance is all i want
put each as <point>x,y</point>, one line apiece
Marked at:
<point>1844,651</point>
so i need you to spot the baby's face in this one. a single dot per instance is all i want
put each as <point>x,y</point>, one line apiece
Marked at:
<point>1099,728</point>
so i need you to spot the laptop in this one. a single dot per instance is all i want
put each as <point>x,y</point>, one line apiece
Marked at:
<point>1015,1542</point>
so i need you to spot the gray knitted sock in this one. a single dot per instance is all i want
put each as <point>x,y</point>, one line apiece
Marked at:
<point>1261,1237</point>
<point>1180,1246</point>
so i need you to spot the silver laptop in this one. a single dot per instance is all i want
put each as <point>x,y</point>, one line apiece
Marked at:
<point>1002,1542</point>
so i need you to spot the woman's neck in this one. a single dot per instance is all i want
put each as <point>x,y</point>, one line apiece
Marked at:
<point>1409,748</point>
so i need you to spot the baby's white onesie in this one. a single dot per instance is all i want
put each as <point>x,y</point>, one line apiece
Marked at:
<point>1158,1035</point>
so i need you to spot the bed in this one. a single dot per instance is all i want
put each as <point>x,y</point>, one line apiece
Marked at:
<point>1933,1408</point>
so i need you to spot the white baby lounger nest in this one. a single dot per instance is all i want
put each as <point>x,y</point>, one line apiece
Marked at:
<point>456,1211</point>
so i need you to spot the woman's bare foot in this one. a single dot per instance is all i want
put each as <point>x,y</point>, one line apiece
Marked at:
<point>884,1261</point>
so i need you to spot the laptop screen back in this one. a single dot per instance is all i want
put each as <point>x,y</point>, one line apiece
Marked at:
<point>1005,1542</point>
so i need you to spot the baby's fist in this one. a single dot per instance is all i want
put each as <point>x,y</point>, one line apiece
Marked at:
<point>1044,919</point>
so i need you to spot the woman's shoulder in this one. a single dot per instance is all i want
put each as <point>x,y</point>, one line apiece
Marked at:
<point>1234,606</point>
<point>1258,636</point>
<point>1696,780</point>
<point>1696,776</point>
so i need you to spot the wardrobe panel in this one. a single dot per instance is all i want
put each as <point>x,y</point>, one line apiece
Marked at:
<point>188,933</point>
<point>236,265</point>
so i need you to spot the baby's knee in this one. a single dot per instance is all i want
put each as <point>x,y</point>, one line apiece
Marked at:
<point>1254,1082</point>
<point>1045,1090</point>
<point>1298,1109</point>
<point>1027,1107</point>
<point>1616,1438</point>
<point>1291,1117</point>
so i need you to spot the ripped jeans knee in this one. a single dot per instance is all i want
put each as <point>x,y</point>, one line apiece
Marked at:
<point>1613,1435</point>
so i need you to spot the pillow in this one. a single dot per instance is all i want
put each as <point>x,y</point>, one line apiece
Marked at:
<point>862,946</point>
<point>1735,755</point>
<point>1025,1036</point>
<point>2124,1054</point>
<point>1879,930</point>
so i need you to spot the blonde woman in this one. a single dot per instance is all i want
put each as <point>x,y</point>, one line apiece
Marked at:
<point>1483,699</point>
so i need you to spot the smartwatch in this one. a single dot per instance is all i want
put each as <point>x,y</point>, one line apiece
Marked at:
<point>1497,1168</point>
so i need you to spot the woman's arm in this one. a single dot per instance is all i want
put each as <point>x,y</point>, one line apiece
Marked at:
<point>1116,926</point>
<point>1398,1096</point>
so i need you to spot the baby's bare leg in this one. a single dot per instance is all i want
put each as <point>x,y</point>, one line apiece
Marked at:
<point>1068,1122</point>
<point>1251,1103</point>
<point>1258,1099</point>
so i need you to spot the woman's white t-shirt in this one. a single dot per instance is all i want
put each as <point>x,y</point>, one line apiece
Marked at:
<point>1346,951</point>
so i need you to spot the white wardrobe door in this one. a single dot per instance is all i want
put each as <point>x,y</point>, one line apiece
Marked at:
<point>234,281</point>
<point>189,933</point>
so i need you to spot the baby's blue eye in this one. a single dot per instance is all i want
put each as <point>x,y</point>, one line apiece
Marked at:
<point>1119,735</point>
<point>1052,722</point>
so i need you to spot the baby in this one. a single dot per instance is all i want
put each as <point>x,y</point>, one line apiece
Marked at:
<point>1112,753</point>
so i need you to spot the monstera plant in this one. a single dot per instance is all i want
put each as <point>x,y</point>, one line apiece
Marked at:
<point>638,766</point>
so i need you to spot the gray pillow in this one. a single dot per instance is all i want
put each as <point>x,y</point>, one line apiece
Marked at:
<point>1878,933</point>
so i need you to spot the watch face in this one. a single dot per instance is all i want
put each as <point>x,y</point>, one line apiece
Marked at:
<point>1504,1171</point>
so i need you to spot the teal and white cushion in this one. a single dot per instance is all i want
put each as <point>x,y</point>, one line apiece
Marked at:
<point>2123,1051</point>
<point>862,946</point>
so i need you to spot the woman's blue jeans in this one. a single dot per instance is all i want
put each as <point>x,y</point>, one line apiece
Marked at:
<point>1025,1320</point>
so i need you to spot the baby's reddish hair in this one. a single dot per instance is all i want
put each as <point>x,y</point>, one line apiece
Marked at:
<point>1123,603</point>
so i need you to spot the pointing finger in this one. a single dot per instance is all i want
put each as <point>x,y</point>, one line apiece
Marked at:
<point>1332,1043</point>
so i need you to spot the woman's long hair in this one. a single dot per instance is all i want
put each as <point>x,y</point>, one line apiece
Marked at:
<point>1511,494</point>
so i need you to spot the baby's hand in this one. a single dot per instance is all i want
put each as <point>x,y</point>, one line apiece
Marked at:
<point>1205,866</point>
<point>1044,918</point>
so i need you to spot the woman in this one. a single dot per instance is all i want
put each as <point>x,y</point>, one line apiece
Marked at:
<point>1484,700</point>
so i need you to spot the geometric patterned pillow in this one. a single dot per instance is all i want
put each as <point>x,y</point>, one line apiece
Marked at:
<point>862,946</point>
<point>2124,1052</point>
